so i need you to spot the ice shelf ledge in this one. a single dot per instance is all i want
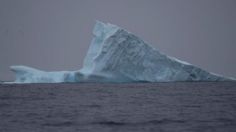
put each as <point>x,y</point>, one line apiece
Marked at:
<point>116,55</point>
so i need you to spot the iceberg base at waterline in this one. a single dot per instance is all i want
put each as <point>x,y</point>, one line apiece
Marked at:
<point>116,55</point>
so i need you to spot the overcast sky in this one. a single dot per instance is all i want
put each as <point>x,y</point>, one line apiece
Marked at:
<point>55,34</point>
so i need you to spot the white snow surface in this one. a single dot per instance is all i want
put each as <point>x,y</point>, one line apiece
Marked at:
<point>116,55</point>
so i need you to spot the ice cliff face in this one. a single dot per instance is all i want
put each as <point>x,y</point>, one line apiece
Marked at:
<point>116,55</point>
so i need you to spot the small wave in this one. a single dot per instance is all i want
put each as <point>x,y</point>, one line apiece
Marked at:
<point>59,124</point>
<point>20,98</point>
<point>4,105</point>
<point>110,123</point>
<point>151,122</point>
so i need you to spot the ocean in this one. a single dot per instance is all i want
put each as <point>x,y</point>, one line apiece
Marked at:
<point>129,107</point>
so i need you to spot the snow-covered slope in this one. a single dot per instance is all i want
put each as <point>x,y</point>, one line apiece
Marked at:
<point>116,55</point>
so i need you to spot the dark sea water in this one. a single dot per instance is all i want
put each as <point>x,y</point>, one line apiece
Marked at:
<point>140,107</point>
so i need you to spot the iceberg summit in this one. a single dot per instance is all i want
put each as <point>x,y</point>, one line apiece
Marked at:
<point>116,55</point>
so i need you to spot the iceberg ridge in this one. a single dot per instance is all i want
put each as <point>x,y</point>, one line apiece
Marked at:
<point>25,74</point>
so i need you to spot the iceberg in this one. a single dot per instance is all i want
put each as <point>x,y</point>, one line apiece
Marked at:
<point>116,55</point>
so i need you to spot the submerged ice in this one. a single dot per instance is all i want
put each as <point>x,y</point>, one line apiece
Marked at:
<point>116,55</point>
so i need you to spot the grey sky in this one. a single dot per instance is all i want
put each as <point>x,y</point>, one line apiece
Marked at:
<point>55,34</point>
